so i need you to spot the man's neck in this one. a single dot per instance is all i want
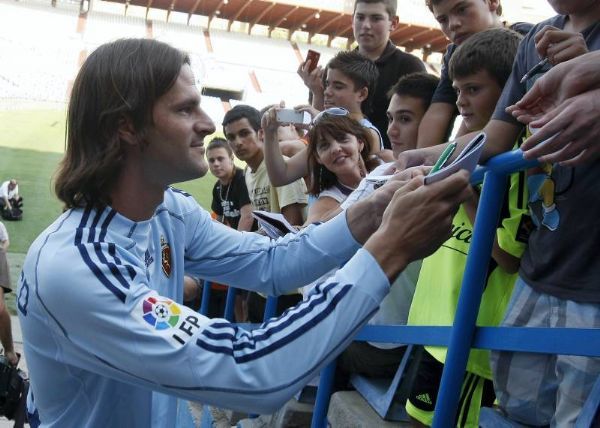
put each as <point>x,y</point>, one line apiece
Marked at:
<point>374,54</point>
<point>578,22</point>
<point>226,180</point>
<point>255,162</point>
<point>136,199</point>
<point>351,180</point>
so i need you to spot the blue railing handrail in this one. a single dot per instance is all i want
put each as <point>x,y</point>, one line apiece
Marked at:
<point>463,334</point>
<point>505,163</point>
<point>571,341</point>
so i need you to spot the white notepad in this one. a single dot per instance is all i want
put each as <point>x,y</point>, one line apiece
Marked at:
<point>467,159</point>
<point>274,224</point>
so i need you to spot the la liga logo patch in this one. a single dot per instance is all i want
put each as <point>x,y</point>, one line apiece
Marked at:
<point>161,314</point>
<point>166,319</point>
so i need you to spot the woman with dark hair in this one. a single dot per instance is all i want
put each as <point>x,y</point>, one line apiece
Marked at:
<point>338,159</point>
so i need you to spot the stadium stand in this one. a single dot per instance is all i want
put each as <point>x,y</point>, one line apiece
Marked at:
<point>214,107</point>
<point>102,27</point>
<point>189,38</point>
<point>39,68</point>
<point>278,86</point>
<point>225,63</point>
<point>239,48</point>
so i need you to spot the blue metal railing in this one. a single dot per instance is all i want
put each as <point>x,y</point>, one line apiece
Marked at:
<point>463,334</point>
<point>484,232</point>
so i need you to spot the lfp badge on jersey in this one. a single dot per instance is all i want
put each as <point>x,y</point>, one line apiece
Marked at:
<point>165,251</point>
<point>160,314</point>
<point>167,319</point>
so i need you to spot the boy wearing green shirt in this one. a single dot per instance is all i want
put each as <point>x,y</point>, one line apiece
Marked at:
<point>479,68</point>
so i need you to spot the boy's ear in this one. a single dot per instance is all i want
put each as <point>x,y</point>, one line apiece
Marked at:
<point>261,135</point>
<point>126,131</point>
<point>363,93</point>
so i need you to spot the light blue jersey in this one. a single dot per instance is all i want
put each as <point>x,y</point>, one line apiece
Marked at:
<point>108,345</point>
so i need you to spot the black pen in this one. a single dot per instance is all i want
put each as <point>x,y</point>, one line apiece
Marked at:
<point>534,70</point>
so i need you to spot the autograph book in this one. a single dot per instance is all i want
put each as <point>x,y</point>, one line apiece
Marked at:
<point>274,224</point>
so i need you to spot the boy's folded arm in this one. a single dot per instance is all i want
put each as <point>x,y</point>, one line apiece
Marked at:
<point>501,137</point>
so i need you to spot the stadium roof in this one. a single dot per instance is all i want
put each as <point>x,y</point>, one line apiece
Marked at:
<point>295,18</point>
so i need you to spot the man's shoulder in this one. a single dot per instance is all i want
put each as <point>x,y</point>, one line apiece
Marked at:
<point>397,62</point>
<point>521,27</point>
<point>239,174</point>
<point>394,53</point>
<point>179,201</point>
<point>60,241</point>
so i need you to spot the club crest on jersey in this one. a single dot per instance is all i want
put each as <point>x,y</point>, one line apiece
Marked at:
<point>165,251</point>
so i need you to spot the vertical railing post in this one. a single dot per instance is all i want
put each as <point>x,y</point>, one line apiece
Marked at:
<point>484,232</point>
<point>463,329</point>
<point>230,304</point>
<point>205,298</point>
<point>270,307</point>
<point>319,419</point>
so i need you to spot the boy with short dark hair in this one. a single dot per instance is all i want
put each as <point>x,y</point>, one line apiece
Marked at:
<point>363,74</point>
<point>479,68</point>
<point>372,23</point>
<point>409,99</point>
<point>350,81</point>
<point>559,270</point>
<point>458,20</point>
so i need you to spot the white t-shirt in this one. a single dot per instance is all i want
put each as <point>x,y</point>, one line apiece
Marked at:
<point>6,193</point>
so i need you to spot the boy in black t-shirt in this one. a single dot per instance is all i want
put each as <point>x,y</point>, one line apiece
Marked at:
<point>458,19</point>
<point>372,23</point>
<point>231,203</point>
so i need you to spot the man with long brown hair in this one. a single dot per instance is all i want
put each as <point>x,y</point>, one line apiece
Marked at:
<point>107,343</point>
